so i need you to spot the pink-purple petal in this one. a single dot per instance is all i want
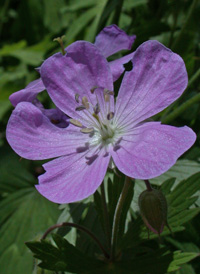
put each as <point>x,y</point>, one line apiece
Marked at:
<point>157,79</point>
<point>112,39</point>
<point>151,149</point>
<point>28,94</point>
<point>31,134</point>
<point>77,72</point>
<point>70,178</point>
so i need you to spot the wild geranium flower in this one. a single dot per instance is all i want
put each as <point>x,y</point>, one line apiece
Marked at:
<point>80,84</point>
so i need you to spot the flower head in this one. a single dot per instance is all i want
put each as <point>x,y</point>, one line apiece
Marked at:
<point>80,84</point>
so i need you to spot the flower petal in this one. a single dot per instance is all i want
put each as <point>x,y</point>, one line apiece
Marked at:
<point>151,149</point>
<point>112,39</point>
<point>117,66</point>
<point>82,68</point>
<point>28,94</point>
<point>70,178</point>
<point>157,79</point>
<point>31,134</point>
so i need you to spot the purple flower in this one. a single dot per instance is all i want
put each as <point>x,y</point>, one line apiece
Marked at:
<point>81,85</point>
<point>109,41</point>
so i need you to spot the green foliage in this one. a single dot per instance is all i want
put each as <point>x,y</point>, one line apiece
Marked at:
<point>64,257</point>
<point>24,214</point>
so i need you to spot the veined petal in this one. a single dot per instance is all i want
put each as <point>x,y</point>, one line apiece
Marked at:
<point>117,66</point>
<point>151,149</point>
<point>70,178</point>
<point>112,39</point>
<point>82,68</point>
<point>31,134</point>
<point>157,79</point>
<point>28,94</point>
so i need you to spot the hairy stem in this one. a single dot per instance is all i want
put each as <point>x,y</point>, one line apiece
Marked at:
<point>118,212</point>
<point>81,228</point>
<point>148,185</point>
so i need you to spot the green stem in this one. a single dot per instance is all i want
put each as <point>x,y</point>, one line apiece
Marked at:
<point>194,77</point>
<point>178,111</point>
<point>118,212</point>
<point>118,12</point>
<point>105,214</point>
<point>191,10</point>
<point>81,228</point>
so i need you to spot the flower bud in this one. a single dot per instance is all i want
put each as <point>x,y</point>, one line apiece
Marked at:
<point>153,209</point>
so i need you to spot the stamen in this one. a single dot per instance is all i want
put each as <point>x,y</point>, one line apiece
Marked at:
<point>75,123</point>
<point>106,97</point>
<point>110,115</point>
<point>85,102</point>
<point>80,108</point>
<point>93,89</point>
<point>96,109</point>
<point>60,41</point>
<point>77,97</point>
<point>87,130</point>
<point>107,91</point>
<point>107,94</point>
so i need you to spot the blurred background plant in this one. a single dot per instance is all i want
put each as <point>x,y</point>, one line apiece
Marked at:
<point>27,29</point>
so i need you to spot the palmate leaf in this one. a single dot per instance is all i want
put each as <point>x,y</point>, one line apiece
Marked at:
<point>63,257</point>
<point>66,257</point>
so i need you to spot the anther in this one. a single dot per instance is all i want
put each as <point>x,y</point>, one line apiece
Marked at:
<point>77,97</point>
<point>87,130</point>
<point>93,89</point>
<point>80,108</point>
<point>60,41</point>
<point>75,123</point>
<point>96,109</point>
<point>110,115</point>
<point>107,91</point>
<point>85,102</point>
<point>106,97</point>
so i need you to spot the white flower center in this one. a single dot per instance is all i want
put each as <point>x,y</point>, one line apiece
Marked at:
<point>99,119</point>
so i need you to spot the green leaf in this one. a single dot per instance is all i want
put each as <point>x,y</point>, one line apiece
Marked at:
<point>180,258</point>
<point>26,216</point>
<point>16,177</point>
<point>184,190</point>
<point>64,257</point>
<point>84,19</point>
<point>52,15</point>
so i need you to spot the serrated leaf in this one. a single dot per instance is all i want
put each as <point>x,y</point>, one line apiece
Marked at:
<point>64,257</point>
<point>180,258</point>
<point>185,189</point>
